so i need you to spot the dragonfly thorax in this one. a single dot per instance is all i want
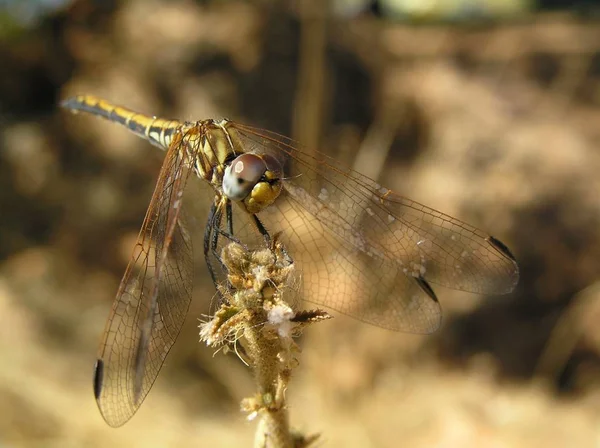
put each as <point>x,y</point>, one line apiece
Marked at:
<point>254,180</point>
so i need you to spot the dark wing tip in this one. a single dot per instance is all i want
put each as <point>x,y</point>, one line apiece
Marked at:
<point>499,245</point>
<point>98,378</point>
<point>504,250</point>
<point>427,289</point>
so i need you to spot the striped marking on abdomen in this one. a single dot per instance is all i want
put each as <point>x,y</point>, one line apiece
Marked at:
<point>156,130</point>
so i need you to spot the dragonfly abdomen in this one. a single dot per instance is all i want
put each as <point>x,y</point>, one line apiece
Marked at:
<point>158,131</point>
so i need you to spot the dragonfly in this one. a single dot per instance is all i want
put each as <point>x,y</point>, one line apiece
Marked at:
<point>362,249</point>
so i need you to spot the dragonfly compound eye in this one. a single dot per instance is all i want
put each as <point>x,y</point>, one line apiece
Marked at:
<point>254,179</point>
<point>242,175</point>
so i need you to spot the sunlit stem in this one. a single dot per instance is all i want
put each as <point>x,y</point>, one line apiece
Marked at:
<point>269,404</point>
<point>255,309</point>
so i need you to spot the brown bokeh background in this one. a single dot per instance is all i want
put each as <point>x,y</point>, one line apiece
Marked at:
<point>493,120</point>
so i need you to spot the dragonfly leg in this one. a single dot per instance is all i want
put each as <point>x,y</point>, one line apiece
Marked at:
<point>262,230</point>
<point>216,230</point>
<point>212,232</point>
<point>229,233</point>
<point>208,231</point>
<point>211,241</point>
<point>265,233</point>
<point>229,216</point>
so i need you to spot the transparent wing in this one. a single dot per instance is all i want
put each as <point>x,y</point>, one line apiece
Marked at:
<point>152,301</point>
<point>337,274</point>
<point>386,243</point>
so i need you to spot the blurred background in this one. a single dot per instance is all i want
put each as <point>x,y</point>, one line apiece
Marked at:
<point>488,110</point>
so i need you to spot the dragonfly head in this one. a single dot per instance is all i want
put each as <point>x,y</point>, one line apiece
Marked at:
<point>254,180</point>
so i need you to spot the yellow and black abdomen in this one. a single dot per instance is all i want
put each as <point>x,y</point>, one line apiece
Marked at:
<point>158,131</point>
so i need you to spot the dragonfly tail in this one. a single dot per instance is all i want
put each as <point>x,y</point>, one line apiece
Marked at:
<point>157,131</point>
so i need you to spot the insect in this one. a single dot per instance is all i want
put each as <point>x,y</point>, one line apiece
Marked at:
<point>362,249</point>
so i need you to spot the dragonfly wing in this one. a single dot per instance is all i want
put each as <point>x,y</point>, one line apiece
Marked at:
<point>152,301</point>
<point>419,240</point>
<point>337,271</point>
<point>444,250</point>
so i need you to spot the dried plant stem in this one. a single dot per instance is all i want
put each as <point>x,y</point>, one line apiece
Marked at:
<point>273,428</point>
<point>255,308</point>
